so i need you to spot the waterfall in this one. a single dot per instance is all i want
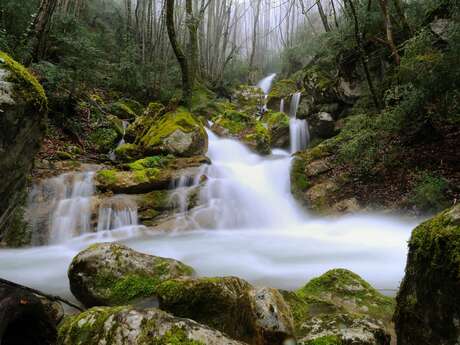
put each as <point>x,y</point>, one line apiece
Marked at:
<point>266,83</point>
<point>72,214</point>
<point>117,212</point>
<point>282,105</point>
<point>122,141</point>
<point>298,129</point>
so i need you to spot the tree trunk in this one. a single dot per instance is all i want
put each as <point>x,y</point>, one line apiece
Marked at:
<point>254,38</point>
<point>40,29</point>
<point>323,16</point>
<point>389,31</point>
<point>180,56</point>
<point>363,55</point>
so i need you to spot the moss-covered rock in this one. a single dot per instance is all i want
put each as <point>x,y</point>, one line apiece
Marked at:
<point>428,303</point>
<point>128,152</point>
<point>104,139</point>
<point>341,308</point>
<point>231,305</point>
<point>112,274</point>
<point>149,174</point>
<point>282,89</point>
<point>23,109</point>
<point>278,126</point>
<point>130,326</point>
<point>126,109</point>
<point>248,98</point>
<point>178,133</point>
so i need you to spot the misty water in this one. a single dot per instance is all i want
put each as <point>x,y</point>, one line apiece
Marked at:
<point>247,224</point>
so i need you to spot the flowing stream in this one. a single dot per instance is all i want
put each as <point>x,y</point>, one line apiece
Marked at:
<point>246,224</point>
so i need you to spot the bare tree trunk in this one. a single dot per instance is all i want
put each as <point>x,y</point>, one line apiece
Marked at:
<point>180,56</point>
<point>40,29</point>
<point>389,30</point>
<point>254,38</point>
<point>363,55</point>
<point>323,16</point>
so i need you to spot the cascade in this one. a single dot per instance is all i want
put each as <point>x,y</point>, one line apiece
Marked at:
<point>117,212</point>
<point>282,105</point>
<point>298,129</point>
<point>266,83</point>
<point>122,141</point>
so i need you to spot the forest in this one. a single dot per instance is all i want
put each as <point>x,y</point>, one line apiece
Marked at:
<point>229,172</point>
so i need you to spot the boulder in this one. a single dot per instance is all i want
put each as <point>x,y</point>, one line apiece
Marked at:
<point>278,127</point>
<point>428,302</point>
<point>26,318</point>
<point>126,109</point>
<point>282,89</point>
<point>441,28</point>
<point>248,98</point>
<point>129,326</point>
<point>109,274</point>
<point>23,110</point>
<point>231,305</point>
<point>322,125</point>
<point>341,308</point>
<point>178,133</point>
<point>149,174</point>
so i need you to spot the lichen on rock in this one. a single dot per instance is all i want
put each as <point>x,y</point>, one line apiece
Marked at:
<point>112,274</point>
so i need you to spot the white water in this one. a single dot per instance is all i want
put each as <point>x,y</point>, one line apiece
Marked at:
<point>282,105</point>
<point>250,227</point>
<point>266,83</point>
<point>298,129</point>
<point>117,212</point>
<point>122,141</point>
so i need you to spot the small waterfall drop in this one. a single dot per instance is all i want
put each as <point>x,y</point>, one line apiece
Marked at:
<point>72,215</point>
<point>117,212</point>
<point>266,83</point>
<point>282,105</point>
<point>298,129</point>
<point>122,141</point>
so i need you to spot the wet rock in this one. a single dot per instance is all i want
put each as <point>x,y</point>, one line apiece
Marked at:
<point>428,303</point>
<point>26,318</point>
<point>341,308</point>
<point>231,305</point>
<point>322,125</point>
<point>130,326</point>
<point>278,126</point>
<point>178,133</point>
<point>112,274</point>
<point>282,89</point>
<point>23,109</point>
<point>441,28</point>
<point>149,174</point>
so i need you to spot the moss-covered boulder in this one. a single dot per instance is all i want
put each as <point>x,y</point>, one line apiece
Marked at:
<point>126,109</point>
<point>340,308</point>
<point>112,274</point>
<point>129,326</point>
<point>428,302</point>
<point>149,174</point>
<point>128,152</point>
<point>278,127</point>
<point>231,305</point>
<point>140,126</point>
<point>178,133</point>
<point>23,110</point>
<point>244,127</point>
<point>282,89</point>
<point>248,98</point>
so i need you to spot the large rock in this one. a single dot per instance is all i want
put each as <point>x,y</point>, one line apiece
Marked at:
<point>322,125</point>
<point>282,89</point>
<point>231,305</point>
<point>112,274</point>
<point>25,318</point>
<point>278,126</point>
<point>341,308</point>
<point>130,326</point>
<point>178,133</point>
<point>146,175</point>
<point>23,109</point>
<point>428,303</point>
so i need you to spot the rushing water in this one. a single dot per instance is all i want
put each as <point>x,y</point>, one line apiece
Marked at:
<point>298,129</point>
<point>266,83</point>
<point>247,225</point>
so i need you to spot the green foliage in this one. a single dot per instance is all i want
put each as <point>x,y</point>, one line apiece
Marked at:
<point>326,340</point>
<point>429,193</point>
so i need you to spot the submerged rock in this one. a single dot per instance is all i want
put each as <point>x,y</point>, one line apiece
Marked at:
<point>341,308</point>
<point>428,303</point>
<point>130,326</point>
<point>178,133</point>
<point>23,109</point>
<point>112,274</point>
<point>231,305</point>
<point>26,318</point>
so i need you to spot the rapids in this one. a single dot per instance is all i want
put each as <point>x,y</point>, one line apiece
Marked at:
<point>248,225</point>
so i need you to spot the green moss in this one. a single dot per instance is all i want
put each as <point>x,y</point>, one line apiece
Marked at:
<point>126,109</point>
<point>31,90</point>
<point>429,193</point>
<point>327,340</point>
<point>131,287</point>
<point>149,162</point>
<point>107,177</point>
<point>175,336</point>
<point>179,120</point>
<point>154,110</point>
<point>283,89</point>
<point>128,152</point>
<point>146,175</point>
<point>299,181</point>
<point>277,119</point>
<point>64,155</point>
<point>104,138</point>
